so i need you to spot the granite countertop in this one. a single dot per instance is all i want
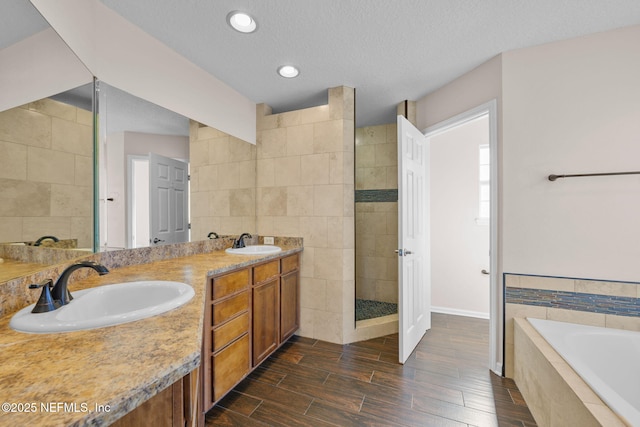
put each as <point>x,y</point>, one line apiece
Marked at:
<point>60,379</point>
<point>10,268</point>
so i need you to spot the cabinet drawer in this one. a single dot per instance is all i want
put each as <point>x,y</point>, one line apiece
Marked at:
<point>228,308</point>
<point>230,283</point>
<point>267,271</point>
<point>223,335</point>
<point>289,263</point>
<point>230,366</point>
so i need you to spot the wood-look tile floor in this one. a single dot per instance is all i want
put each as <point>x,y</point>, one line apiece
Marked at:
<point>445,382</point>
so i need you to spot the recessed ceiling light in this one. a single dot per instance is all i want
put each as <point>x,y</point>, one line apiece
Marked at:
<point>288,71</point>
<point>242,22</point>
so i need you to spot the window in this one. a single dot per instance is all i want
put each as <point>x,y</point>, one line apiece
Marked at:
<point>485,180</point>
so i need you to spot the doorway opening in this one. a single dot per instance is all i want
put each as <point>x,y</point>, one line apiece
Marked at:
<point>460,213</point>
<point>157,200</point>
<point>483,167</point>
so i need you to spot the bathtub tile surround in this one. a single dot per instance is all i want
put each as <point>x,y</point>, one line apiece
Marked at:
<point>606,359</point>
<point>576,300</point>
<point>555,394</point>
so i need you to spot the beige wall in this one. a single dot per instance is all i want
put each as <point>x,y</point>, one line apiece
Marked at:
<point>474,88</point>
<point>377,222</point>
<point>565,107</point>
<point>46,172</point>
<point>223,183</point>
<point>305,187</point>
<point>572,107</point>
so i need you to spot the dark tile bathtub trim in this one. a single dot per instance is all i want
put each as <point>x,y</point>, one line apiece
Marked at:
<point>593,303</point>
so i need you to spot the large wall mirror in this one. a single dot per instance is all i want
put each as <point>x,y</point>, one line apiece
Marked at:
<point>46,172</point>
<point>47,165</point>
<point>76,165</point>
<point>144,161</point>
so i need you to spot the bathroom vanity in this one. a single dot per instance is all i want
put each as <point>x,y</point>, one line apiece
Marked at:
<point>158,370</point>
<point>249,313</point>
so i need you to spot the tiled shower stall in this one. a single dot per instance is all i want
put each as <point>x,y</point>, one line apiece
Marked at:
<point>376,202</point>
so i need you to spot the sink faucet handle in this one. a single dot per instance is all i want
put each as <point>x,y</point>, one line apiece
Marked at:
<point>239,242</point>
<point>45,303</point>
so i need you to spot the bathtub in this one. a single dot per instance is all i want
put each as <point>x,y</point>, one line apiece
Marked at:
<point>608,360</point>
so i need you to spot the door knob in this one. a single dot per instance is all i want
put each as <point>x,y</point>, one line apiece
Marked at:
<point>403,252</point>
<point>156,240</point>
<point>484,271</point>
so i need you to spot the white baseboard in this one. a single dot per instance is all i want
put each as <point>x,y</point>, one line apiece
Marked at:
<point>457,312</point>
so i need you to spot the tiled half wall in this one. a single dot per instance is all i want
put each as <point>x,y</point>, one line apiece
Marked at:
<point>609,304</point>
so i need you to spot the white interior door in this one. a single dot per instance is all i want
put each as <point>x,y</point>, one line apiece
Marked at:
<point>414,287</point>
<point>168,200</point>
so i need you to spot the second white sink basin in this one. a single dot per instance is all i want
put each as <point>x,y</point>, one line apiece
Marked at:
<point>255,250</point>
<point>106,306</point>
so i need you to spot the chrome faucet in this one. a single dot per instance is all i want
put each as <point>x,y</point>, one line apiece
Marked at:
<point>60,292</point>
<point>239,242</point>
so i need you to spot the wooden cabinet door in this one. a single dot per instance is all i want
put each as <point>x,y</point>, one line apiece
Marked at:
<point>289,313</point>
<point>266,319</point>
<point>230,366</point>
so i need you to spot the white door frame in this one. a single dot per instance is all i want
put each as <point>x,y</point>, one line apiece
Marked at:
<point>496,333</point>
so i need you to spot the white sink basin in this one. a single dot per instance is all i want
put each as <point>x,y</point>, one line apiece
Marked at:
<point>255,250</point>
<point>106,306</point>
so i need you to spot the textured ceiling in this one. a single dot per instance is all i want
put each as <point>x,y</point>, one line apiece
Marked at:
<point>388,50</point>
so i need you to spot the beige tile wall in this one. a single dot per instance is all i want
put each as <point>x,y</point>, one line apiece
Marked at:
<point>377,157</point>
<point>223,183</point>
<point>377,223</point>
<point>513,311</point>
<point>46,172</point>
<point>305,187</point>
<point>376,261</point>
